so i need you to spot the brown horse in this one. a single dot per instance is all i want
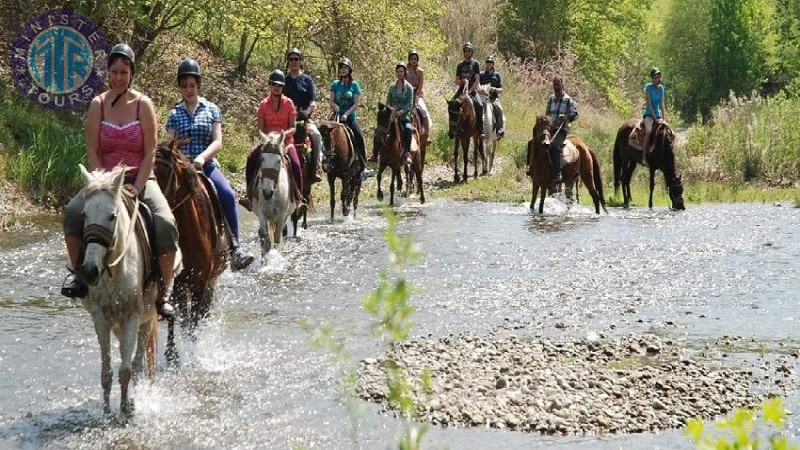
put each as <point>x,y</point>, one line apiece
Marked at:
<point>303,145</point>
<point>343,163</point>
<point>388,140</point>
<point>462,126</point>
<point>423,138</point>
<point>586,166</point>
<point>661,158</point>
<point>203,235</point>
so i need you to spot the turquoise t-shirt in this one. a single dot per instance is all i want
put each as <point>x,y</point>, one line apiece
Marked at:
<point>344,96</point>
<point>655,94</point>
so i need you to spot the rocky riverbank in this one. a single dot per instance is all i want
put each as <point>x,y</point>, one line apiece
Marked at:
<point>573,386</point>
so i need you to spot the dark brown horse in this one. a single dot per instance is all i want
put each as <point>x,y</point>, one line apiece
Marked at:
<point>203,235</point>
<point>388,140</point>
<point>586,166</point>
<point>344,164</point>
<point>303,145</point>
<point>661,158</point>
<point>463,126</point>
<point>423,138</point>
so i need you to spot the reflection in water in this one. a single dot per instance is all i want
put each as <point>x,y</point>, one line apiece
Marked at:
<point>251,379</point>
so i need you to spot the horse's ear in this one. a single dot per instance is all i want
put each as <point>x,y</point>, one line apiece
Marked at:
<point>119,178</point>
<point>263,136</point>
<point>85,175</point>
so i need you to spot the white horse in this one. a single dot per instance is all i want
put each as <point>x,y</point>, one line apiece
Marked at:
<point>274,203</point>
<point>120,297</point>
<point>490,139</point>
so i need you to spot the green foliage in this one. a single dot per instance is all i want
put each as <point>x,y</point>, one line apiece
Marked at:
<point>533,28</point>
<point>738,430</point>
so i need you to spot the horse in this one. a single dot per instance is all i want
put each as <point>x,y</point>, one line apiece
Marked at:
<point>462,126</point>
<point>343,163</point>
<point>490,133</point>
<point>661,158</point>
<point>122,294</point>
<point>388,140</point>
<point>271,190</point>
<point>304,153</point>
<point>424,138</point>
<point>203,236</point>
<point>585,165</point>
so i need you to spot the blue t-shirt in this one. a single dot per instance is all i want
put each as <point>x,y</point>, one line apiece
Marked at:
<point>344,96</point>
<point>197,127</point>
<point>301,90</point>
<point>655,94</point>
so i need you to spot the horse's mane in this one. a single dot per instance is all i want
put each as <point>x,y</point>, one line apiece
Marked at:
<point>103,181</point>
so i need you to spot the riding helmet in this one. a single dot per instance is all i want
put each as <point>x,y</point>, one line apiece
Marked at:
<point>468,46</point>
<point>189,67</point>
<point>399,65</point>
<point>277,77</point>
<point>126,51</point>
<point>413,52</point>
<point>490,59</point>
<point>294,51</point>
<point>655,71</point>
<point>346,62</point>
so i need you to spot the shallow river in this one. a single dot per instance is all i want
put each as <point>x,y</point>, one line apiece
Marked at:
<point>253,381</point>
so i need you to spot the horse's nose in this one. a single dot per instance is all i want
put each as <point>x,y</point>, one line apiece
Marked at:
<point>267,193</point>
<point>90,274</point>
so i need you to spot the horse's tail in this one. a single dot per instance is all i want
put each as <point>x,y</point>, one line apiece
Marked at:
<point>598,179</point>
<point>618,148</point>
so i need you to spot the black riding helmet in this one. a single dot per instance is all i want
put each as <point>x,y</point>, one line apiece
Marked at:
<point>277,77</point>
<point>125,50</point>
<point>413,52</point>
<point>294,51</point>
<point>654,71</point>
<point>468,46</point>
<point>189,67</point>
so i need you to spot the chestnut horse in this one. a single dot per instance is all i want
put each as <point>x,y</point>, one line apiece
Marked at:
<point>462,126</point>
<point>203,235</point>
<point>343,163</point>
<point>388,140</point>
<point>661,158</point>
<point>586,167</point>
<point>303,145</point>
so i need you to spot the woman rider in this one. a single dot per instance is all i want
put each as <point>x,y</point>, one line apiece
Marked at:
<point>415,76</point>
<point>278,114</point>
<point>121,129</point>
<point>654,109</point>
<point>345,93</point>
<point>199,119</point>
<point>401,99</point>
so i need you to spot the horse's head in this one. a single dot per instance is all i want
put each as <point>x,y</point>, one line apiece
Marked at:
<point>483,91</point>
<point>541,132</point>
<point>383,130</point>
<point>103,213</point>
<point>301,131</point>
<point>173,171</point>
<point>272,152</point>
<point>455,114</point>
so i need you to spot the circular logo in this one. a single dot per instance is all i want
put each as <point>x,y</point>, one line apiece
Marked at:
<point>59,60</point>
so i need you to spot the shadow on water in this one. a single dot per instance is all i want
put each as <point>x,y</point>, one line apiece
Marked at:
<point>33,229</point>
<point>558,224</point>
<point>39,429</point>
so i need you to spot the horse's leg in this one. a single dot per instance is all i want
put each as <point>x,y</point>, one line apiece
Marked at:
<point>381,168</point>
<point>587,176</point>
<point>332,186</point>
<point>275,230</point>
<point>456,140</point>
<point>391,188</point>
<point>465,154</point>
<point>171,354</point>
<point>541,201</point>
<point>484,160</point>
<point>409,180</point>
<point>356,192</point>
<point>142,338</point>
<point>418,173</point>
<point>346,193</point>
<point>152,342</point>
<point>627,174</point>
<point>126,346</point>
<point>652,186</point>
<point>295,219</point>
<point>103,331</point>
<point>535,190</point>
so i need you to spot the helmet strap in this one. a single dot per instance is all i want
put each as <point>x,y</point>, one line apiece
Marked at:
<point>118,97</point>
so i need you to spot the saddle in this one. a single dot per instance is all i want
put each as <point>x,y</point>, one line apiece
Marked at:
<point>637,134</point>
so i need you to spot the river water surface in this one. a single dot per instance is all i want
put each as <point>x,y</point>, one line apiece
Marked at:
<point>252,380</point>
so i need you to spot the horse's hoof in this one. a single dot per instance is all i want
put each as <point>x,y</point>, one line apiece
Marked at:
<point>484,173</point>
<point>380,196</point>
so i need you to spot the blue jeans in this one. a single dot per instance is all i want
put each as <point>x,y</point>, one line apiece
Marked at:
<point>227,197</point>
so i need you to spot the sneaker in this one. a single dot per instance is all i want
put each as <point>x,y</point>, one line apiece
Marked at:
<point>366,173</point>
<point>73,288</point>
<point>241,259</point>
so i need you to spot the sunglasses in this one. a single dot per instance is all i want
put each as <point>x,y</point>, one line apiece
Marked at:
<point>294,59</point>
<point>275,84</point>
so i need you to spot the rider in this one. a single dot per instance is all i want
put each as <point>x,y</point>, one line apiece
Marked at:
<point>654,109</point>
<point>468,74</point>
<point>200,120</point>
<point>121,129</point>
<point>401,99</point>
<point>301,90</point>
<point>415,76</point>
<point>277,113</point>
<point>562,111</point>
<point>492,78</point>
<point>345,93</point>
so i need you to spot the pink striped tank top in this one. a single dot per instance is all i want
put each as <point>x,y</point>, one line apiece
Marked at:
<point>121,145</point>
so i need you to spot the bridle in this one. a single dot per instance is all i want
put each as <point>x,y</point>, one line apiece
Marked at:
<point>98,234</point>
<point>172,179</point>
<point>269,172</point>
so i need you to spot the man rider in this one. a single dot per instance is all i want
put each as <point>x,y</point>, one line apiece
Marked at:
<point>562,111</point>
<point>468,74</point>
<point>301,90</point>
<point>492,78</point>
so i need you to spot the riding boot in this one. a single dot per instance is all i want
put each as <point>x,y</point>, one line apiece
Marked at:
<point>313,162</point>
<point>555,163</point>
